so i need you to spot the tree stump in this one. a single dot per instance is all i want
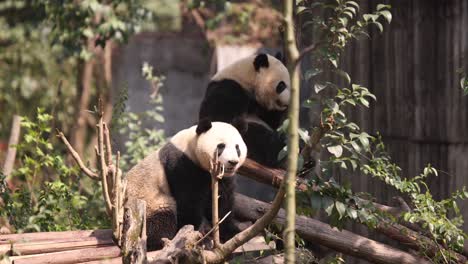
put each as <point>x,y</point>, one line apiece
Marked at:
<point>134,232</point>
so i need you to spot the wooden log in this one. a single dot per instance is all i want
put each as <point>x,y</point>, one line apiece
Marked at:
<point>404,233</point>
<point>179,249</point>
<point>51,236</point>
<point>342,241</point>
<point>29,248</point>
<point>414,240</point>
<point>70,256</point>
<point>134,232</point>
<point>118,260</point>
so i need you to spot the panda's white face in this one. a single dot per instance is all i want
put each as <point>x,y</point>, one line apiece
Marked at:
<point>273,83</point>
<point>220,139</point>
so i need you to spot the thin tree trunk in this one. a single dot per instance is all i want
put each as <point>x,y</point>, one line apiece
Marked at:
<point>293,143</point>
<point>78,137</point>
<point>14,139</point>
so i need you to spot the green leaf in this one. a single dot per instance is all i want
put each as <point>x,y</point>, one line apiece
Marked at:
<point>341,208</point>
<point>352,213</point>
<point>311,73</point>
<point>328,204</point>
<point>304,135</point>
<point>356,147</point>
<point>379,26</point>
<point>350,9</point>
<point>387,15</point>
<point>349,14</point>
<point>319,87</point>
<point>336,150</point>
<point>353,3</point>
<point>344,74</point>
<point>382,6</point>
<point>364,138</point>
<point>364,101</point>
<point>282,154</point>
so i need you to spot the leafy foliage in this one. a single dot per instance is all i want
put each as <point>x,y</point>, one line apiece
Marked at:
<point>140,141</point>
<point>354,151</point>
<point>28,77</point>
<point>48,197</point>
<point>464,84</point>
<point>76,22</point>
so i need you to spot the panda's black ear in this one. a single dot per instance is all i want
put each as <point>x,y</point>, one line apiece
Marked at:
<point>203,125</point>
<point>240,124</point>
<point>261,61</point>
<point>279,55</point>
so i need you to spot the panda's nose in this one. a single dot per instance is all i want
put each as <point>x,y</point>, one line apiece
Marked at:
<point>233,162</point>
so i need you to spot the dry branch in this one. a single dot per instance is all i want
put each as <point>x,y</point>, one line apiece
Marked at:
<point>343,241</point>
<point>77,158</point>
<point>110,176</point>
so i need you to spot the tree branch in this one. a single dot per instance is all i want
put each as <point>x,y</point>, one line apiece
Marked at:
<point>77,158</point>
<point>219,254</point>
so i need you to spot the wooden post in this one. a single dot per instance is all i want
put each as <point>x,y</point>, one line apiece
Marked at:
<point>11,152</point>
<point>134,232</point>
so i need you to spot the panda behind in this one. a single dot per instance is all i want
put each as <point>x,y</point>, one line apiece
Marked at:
<point>175,180</point>
<point>256,89</point>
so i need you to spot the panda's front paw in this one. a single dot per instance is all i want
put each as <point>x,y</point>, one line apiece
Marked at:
<point>216,168</point>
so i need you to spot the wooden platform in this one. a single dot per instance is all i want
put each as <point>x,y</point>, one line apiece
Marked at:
<point>85,246</point>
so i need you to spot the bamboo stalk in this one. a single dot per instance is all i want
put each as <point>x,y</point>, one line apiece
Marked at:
<point>293,137</point>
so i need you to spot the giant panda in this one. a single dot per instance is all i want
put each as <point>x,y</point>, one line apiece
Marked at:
<point>175,180</point>
<point>256,89</point>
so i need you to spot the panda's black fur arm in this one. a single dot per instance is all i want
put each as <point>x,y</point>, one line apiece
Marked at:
<point>273,118</point>
<point>224,101</point>
<point>188,183</point>
<point>264,144</point>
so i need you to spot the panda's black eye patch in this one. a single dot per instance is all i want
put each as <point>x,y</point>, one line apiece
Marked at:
<point>238,150</point>
<point>281,87</point>
<point>220,148</point>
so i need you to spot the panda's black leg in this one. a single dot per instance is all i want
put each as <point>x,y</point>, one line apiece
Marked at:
<point>159,224</point>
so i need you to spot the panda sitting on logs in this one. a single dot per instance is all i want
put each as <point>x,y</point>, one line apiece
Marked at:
<point>257,90</point>
<point>175,180</point>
